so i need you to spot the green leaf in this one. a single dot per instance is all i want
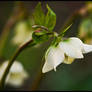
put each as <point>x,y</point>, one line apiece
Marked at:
<point>64,31</point>
<point>50,19</point>
<point>38,15</point>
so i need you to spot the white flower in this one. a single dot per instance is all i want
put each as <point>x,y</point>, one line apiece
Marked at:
<point>54,56</point>
<point>66,51</point>
<point>22,33</point>
<point>17,74</point>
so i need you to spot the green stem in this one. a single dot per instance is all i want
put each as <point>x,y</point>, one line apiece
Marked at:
<point>18,51</point>
<point>13,58</point>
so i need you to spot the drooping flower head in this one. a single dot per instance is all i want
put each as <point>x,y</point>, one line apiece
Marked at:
<point>65,52</point>
<point>17,74</point>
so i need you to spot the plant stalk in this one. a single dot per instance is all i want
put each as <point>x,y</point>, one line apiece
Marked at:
<point>18,51</point>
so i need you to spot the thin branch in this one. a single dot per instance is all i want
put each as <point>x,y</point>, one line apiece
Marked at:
<point>13,58</point>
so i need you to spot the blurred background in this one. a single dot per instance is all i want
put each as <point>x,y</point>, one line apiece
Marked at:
<point>76,76</point>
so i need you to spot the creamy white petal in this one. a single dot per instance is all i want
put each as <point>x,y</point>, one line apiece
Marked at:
<point>16,75</point>
<point>47,67</point>
<point>76,42</point>
<point>72,48</point>
<point>17,67</point>
<point>54,57</point>
<point>15,79</point>
<point>87,48</point>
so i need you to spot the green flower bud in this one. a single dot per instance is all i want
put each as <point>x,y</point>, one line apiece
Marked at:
<point>40,36</point>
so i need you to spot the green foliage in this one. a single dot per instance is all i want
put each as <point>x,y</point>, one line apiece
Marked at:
<point>40,36</point>
<point>64,31</point>
<point>38,15</point>
<point>48,20</point>
<point>40,19</point>
<point>85,29</point>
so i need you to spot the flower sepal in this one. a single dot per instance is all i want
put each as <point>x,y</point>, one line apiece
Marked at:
<point>40,35</point>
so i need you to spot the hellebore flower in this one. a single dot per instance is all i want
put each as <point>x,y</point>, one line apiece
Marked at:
<point>22,33</point>
<point>65,52</point>
<point>16,75</point>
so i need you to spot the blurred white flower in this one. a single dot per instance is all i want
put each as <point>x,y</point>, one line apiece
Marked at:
<point>22,33</point>
<point>65,52</point>
<point>17,74</point>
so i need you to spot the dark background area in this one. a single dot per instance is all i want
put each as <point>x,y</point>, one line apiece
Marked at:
<point>77,76</point>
